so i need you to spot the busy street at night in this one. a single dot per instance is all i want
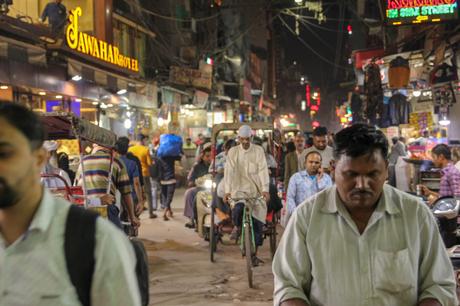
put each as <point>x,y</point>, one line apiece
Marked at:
<point>229,152</point>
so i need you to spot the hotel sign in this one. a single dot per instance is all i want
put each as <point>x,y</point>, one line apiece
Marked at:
<point>91,46</point>
<point>406,12</point>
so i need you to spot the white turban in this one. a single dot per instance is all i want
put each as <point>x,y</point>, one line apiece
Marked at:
<point>50,145</point>
<point>245,131</point>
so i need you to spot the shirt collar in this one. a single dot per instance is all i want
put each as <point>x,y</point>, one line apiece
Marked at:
<point>447,168</point>
<point>243,150</point>
<point>386,203</point>
<point>44,214</point>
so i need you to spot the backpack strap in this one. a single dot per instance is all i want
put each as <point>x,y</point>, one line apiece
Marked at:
<point>79,248</point>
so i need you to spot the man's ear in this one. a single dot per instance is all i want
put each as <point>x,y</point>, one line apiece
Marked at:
<point>41,157</point>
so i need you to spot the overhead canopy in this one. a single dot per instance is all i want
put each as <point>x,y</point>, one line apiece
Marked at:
<point>61,125</point>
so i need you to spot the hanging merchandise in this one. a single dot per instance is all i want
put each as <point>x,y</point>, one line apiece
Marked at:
<point>399,109</point>
<point>373,91</point>
<point>421,121</point>
<point>356,106</point>
<point>443,73</point>
<point>399,73</point>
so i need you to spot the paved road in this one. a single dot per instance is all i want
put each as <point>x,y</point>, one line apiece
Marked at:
<point>181,273</point>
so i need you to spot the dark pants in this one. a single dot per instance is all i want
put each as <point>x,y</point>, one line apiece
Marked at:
<point>258,227</point>
<point>113,215</point>
<point>167,195</point>
<point>190,203</point>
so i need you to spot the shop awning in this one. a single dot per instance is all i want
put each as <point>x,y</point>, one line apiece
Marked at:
<point>61,125</point>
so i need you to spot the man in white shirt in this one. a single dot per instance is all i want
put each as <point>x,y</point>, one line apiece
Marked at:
<point>320,146</point>
<point>52,169</point>
<point>246,176</point>
<point>33,263</point>
<point>362,242</point>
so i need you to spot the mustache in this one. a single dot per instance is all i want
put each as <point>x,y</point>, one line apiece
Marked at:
<point>361,192</point>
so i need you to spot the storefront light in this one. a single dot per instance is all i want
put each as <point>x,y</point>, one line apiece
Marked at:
<point>58,97</point>
<point>127,123</point>
<point>110,105</point>
<point>4,87</point>
<point>95,103</point>
<point>161,121</point>
<point>128,114</point>
<point>417,93</point>
<point>122,92</point>
<point>103,106</point>
<point>78,100</point>
<point>42,93</point>
<point>444,121</point>
<point>77,78</point>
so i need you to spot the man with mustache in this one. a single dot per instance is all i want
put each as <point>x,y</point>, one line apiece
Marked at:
<point>34,269</point>
<point>362,242</point>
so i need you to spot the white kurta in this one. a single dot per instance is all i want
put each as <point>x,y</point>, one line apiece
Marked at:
<point>246,175</point>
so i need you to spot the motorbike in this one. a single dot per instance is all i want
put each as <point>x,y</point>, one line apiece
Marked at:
<point>446,210</point>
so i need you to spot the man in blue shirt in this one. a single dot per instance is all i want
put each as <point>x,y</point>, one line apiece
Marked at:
<point>133,172</point>
<point>307,183</point>
<point>56,13</point>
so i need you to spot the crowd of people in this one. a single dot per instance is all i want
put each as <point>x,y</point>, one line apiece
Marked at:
<point>344,214</point>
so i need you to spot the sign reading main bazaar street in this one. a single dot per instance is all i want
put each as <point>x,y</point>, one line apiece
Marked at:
<point>401,12</point>
<point>94,47</point>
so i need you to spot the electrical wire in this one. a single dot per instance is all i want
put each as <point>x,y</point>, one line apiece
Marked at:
<point>325,43</point>
<point>171,18</point>
<point>306,20</point>
<point>310,48</point>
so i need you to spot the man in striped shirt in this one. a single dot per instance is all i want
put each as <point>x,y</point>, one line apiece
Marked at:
<point>97,168</point>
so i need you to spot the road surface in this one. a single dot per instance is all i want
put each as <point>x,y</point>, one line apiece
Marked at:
<point>181,273</point>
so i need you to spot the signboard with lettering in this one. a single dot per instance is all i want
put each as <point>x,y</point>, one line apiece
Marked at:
<point>199,78</point>
<point>96,48</point>
<point>405,12</point>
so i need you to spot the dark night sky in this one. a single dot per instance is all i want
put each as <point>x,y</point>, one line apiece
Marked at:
<point>318,71</point>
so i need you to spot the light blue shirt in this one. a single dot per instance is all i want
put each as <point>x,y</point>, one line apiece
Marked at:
<point>302,186</point>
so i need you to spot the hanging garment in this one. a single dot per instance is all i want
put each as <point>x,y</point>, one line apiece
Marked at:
<point>399,73</point>
<point>374,93</point>
<point>399,110</point>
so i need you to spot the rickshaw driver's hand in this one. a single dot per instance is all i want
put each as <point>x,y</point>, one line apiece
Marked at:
<point>135,222</point>
<point>227,197</point>
<point>266,195</point>
<point>139,209</point>
<point>107,199</point>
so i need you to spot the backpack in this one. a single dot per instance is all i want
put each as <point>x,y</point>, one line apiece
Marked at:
<point>79,246</point>
<point>155,169</point>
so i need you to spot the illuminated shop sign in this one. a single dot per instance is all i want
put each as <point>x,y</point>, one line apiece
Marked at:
<point>403,12</point>
<point>94,47</point>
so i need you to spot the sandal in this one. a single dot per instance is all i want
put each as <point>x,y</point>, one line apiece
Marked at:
<point>165,218</point>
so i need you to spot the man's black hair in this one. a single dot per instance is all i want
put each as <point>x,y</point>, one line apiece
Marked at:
<point>141,137</point>
<point>122,145</point>
<point>358,140</point>
<point>394,140</point>
<point>206,150</point>
<point>229,144</point>
<point>442,149</point>
<point>290,147</point>
<point>26,121</point>
<point>320,131</point>
<point>311,153</point>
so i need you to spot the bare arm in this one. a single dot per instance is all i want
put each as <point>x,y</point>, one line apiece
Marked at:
<point>128,205</point>
<point>429,302</point>
<point>299,302</point>
<point>138,189</point>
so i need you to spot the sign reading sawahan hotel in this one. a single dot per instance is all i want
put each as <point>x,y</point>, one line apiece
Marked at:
<point>94,47</point>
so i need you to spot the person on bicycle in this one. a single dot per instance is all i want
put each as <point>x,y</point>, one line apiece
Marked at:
<point>246,176</point>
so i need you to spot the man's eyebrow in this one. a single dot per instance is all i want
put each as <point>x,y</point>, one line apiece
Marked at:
<point>5,144</point>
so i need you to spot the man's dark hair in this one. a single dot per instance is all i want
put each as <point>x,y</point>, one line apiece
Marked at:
<point>311,153</point>
<point>358,140</point>
<point>206,150</point>
<point>394,140</point>
<point>320,131</point>
<point>26,121</point>
<point>229,144</point>
<point>141,137</point>
<point>290,147</point>
<point>442,149</point>
<point>122,145</point>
